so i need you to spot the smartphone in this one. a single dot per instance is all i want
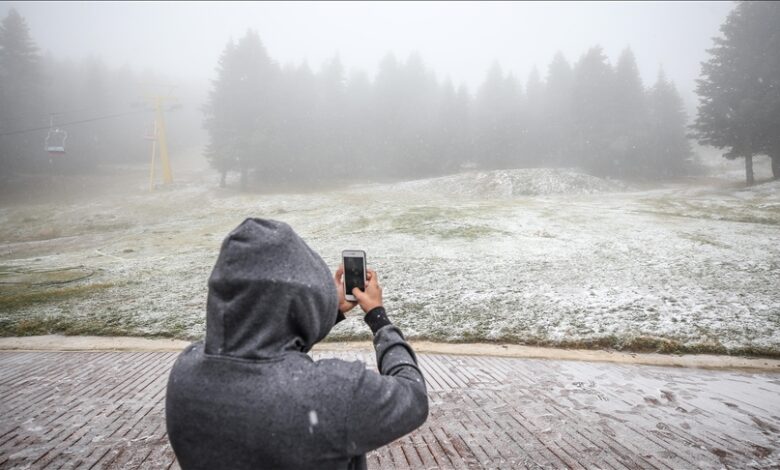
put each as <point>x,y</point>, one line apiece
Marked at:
<point>354,272</point>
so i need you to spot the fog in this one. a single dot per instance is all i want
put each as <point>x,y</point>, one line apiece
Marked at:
<point>445,86</point>
<point>530,179</point>
<point>458,40</point>
<point>577,148</point>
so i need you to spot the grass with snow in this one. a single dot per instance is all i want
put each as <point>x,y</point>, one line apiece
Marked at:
<point>548,257</point>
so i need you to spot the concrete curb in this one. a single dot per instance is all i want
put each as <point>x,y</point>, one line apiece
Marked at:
<point>122,343</point>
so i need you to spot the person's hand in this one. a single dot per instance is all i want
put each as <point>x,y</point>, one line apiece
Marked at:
<point>372,297</point>
<point>344,304</point>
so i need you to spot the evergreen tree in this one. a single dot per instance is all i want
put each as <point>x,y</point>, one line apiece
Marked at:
<point>256,112</point>
<point>387,119</point>
<point>557,114</point>
<point>453,138</point>
<point>512,135</point>
<point>241,113</point>
<point>739,90</point>
<point>331,130</point>
<point>358,124</point>
<point>536,143</point>
<point>21,94</point>
<point>628,117</point>
<point>592,107</point>
<point>217,111</point>
<point>669,152</point>
<point>298,130</point>
<point>497,113</point>
<point>419,109</point>
<point>464,105</point>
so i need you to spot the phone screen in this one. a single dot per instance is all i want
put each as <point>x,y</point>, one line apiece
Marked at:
<point>353,274</point>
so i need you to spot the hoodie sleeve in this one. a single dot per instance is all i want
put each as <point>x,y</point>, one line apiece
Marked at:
<point>390,404</point>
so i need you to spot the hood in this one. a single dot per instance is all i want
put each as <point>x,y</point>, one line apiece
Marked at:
<point>268,293</point>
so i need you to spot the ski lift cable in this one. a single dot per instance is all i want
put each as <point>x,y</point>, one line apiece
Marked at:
<point>5,120</point>
<point>71,123</point>
<point>60,111</point>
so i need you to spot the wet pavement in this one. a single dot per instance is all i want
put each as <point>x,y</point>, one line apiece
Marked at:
<point>106,410</point>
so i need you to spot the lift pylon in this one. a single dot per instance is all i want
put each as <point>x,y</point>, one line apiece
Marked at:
<point>159,142</point>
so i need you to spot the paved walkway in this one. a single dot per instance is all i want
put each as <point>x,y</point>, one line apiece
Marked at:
<point>106,410</point>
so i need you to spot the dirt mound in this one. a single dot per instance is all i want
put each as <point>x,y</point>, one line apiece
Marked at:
<point>512,183</point>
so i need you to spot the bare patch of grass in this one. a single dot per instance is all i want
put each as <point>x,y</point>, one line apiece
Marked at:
<point>439,222</point>
<point>639,344</point>
<point>65,325</point>
<point>18,298</point>
<point>694,237</point>
<point>28,278</point>
<point>679,208</point>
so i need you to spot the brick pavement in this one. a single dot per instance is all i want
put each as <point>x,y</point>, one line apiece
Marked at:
<point>105,410</point>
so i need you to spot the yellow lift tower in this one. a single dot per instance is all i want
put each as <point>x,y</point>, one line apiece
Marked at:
<point>159,142</point>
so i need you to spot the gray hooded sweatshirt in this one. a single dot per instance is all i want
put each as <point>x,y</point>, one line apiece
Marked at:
<point>249,397</point>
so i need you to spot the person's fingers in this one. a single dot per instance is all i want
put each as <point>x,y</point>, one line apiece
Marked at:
<point>359,294</point>
<point>373,278</point>
<point>339,273</point>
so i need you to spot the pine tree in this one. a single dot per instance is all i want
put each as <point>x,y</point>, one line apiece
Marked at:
<point>628,117</point>
<point>256,112</point>
<point>739,90</point>
<point>298,123</point>
<point>387,119</point>
<point>592,103</point>
<point>241,112</point>
<point>453,135</point>
<point>220,149</point>
<point>498,128</point>
<point>557,115</point>
<point>331,128</point>
<point>358,124</point>
<point>536,143</point>
<point>669,150</point>
<point>464,105</point>
<point>20,93</point>
<point>419,110</point>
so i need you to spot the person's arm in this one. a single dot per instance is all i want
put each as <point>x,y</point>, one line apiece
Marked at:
<point>390,404</point>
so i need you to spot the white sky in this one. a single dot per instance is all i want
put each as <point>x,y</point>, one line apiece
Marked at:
<point>459,40</point>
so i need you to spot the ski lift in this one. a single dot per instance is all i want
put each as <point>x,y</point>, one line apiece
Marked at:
<point>151,132</point>
<point>55,139</point>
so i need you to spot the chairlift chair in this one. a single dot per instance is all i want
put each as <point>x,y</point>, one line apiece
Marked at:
<point>151,132</point>
<point>55,141</point>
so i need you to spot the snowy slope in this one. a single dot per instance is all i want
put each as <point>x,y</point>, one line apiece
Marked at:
<point>534,256</point>
<point>512,183</point>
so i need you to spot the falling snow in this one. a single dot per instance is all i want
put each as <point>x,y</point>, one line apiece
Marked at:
<point>533,256</point>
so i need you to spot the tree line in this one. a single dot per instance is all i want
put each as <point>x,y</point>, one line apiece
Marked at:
<point>288,124</point>
<point>37,90</point>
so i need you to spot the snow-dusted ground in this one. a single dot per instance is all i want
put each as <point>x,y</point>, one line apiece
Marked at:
<point>535,256</point>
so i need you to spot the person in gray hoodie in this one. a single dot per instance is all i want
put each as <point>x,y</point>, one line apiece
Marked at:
<point>250,396</point>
